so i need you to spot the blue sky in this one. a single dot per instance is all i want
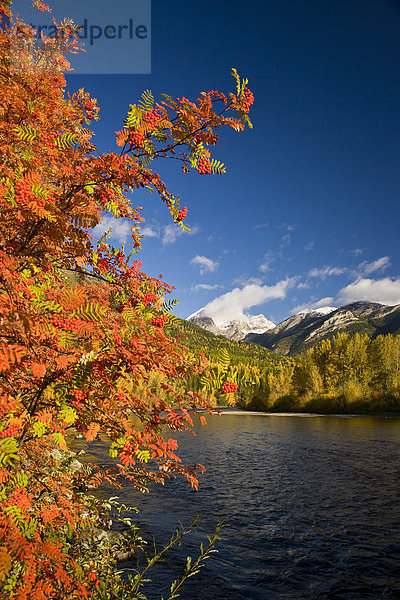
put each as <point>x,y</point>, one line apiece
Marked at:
<point>308,212</point>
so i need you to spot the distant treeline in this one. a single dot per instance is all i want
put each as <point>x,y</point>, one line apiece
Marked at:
<point>349,374</point>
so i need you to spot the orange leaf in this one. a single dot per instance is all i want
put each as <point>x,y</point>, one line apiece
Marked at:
<point>91,433</point>
<point>38,369</point>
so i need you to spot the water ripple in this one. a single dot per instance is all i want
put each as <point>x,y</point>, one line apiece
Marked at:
<point>313,506</point>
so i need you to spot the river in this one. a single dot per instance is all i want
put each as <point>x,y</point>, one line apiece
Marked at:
<point>312,502</point>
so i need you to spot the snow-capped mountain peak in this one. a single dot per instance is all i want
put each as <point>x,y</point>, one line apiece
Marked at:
<point>324,310</point>
<point>234,329</point>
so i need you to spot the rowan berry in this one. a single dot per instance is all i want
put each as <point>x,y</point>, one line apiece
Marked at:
<point>158,321</point>
<point>181,215</point>
<point>11,431</point>
<point>136,139</point>
<point>149,299</point>
<point>247,100</point>
<point>228,387</point>
<point>203,166</point>
<point>152,118</point>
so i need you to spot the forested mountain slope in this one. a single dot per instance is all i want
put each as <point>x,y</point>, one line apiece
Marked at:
<point>198,339</point>
<point>304,330</point>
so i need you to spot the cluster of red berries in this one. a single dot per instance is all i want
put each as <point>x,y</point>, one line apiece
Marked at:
<point>158,321</point>
<point>47,137</point>
<point>24,195</point>
<point>93,578</point>
<point>136,139</point>
<point>65,324</point>
<point>181,215</point>
<point>149,299</point>
<point>229,387</point>
<point>105,195</point>
<point>103,264</point>
<point>58,428</point>
<point>203,166</point>
<point>248,100</point>
<point>155,419</point>
<point>89,106</point>
<point>79,396</point>
<point>152,118</point>
<point>9,432</point>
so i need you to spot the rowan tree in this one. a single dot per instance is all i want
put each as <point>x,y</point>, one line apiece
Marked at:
<point>82,327</point>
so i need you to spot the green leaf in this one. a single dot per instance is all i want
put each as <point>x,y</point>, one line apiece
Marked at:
<point>27,134</point>
<point>66,140</point>
<point>234,74</point>
<point>217,168</point>
<point>169,305</point>
<point>223,358</point>
<point>147,100</point>
<point>39,429</point>
<point>89,312</point>
<point>142,455</point>
<point>9,451</point>
<point>159,135</point>
<point>134,117</point>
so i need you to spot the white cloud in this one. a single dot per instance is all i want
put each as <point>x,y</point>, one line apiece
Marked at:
<point>233,304</point>
<point>328,301</point>
<point>356,251</point>
<point>285,240</point>
<point>384,291</point>
<point>309,246</point>
<point>288,226</point>
<point>368,268</point>
<point>204,286</point>
<point>121,229</point>
<point>149,231</point>
<point>261,226</point>
<point>206,265</point>
<point>245,280</point>
<point>326,272</point>
<point>266,264</point>
<point>172,232</point>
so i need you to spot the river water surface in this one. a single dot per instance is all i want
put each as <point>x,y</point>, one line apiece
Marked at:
<point>313,506</point>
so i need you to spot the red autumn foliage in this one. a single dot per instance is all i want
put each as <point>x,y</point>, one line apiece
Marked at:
<point>81,324</point>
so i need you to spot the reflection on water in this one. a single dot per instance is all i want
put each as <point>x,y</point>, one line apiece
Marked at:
<point>313,505</point>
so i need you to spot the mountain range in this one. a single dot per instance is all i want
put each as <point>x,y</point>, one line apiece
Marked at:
<point>308,327</point>
<point>236,329</point>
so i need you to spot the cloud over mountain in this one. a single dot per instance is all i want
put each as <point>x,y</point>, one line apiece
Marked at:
<point>384,291</point>
<point>232,305</point>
